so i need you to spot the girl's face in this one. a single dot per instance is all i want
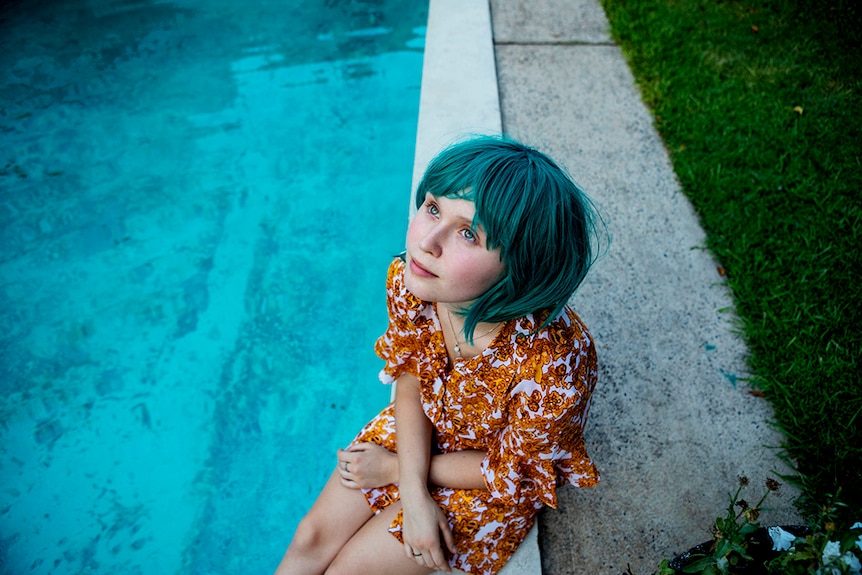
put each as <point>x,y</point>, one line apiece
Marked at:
<point>447,261</point>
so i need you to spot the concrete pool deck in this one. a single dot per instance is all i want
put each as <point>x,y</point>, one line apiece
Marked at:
<point>673,423</point>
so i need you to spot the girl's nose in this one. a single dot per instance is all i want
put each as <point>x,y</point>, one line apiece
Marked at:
<point>430,242</point>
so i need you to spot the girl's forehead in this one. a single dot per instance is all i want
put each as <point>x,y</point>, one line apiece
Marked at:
<point>459,207</point>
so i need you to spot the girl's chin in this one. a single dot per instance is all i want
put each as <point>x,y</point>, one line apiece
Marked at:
<point>416,290</point>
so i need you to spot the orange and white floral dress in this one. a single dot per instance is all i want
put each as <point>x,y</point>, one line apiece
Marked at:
<point>524,401</point>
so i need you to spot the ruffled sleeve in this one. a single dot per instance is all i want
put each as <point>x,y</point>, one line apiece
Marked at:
<point>401,344</point>
<point>542,444</point>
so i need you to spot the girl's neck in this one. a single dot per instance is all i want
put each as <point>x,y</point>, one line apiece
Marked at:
<point>453,333</point>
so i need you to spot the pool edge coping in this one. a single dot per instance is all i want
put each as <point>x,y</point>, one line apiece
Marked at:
<point>459,94</point>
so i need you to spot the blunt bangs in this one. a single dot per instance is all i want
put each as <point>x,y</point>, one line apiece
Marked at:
<point>545,226</point>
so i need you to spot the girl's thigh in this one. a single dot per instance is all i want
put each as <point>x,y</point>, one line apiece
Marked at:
<point>337,514</point>
<point>338,510</point>
<point>374,550</point>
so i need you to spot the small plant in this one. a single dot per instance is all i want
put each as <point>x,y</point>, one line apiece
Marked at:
<point>826,551</point>
<point>740,545</point>
<point>730,534</point>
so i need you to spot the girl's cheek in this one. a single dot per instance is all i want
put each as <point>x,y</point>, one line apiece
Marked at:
<point>413,227</point>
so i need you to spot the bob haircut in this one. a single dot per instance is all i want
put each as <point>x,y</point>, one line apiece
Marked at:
<point>529,207</point>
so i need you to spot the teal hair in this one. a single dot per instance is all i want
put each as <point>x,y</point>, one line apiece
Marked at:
<point>546,227</point>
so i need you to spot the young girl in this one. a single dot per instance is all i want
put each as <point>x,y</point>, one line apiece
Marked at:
<point>494,376</point>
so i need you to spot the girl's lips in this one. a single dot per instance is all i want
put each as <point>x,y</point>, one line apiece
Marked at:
<point>417,269</point>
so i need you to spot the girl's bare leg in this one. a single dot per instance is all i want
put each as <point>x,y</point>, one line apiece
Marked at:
<point>335,517</point>
<point>374,550</point>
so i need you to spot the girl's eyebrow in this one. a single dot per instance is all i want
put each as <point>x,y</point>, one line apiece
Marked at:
<point>471,223</point>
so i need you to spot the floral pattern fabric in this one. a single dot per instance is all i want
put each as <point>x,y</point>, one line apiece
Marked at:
<point>524,401</point>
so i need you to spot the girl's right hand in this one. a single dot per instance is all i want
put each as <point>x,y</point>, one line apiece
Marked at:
<point>424,523</point>
<point>367,465</point>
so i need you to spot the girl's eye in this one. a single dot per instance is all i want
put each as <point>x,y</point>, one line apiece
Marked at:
<point>469,235</point>
<point>432,208</point>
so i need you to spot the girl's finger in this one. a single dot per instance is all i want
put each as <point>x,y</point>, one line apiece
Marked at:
<point>348,483</point>
<point>344,460</point>
<point>426,559</point>
<point>421,557</point>
<point>437,560</point>
<point>448,537</point>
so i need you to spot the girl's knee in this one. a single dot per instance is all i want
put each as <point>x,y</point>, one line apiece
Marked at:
<point>310,536</point>
<point>310,550</point>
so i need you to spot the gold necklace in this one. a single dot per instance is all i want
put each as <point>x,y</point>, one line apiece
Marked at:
<point>457,347</point>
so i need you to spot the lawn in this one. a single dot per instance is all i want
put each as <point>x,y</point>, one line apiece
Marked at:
<point>759,105</point>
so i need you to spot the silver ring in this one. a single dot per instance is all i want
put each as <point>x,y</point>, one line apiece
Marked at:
<point>417,555</point>
<point>346,463</point>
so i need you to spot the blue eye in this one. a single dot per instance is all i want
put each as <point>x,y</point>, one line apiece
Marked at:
<point>432,208</point>
<point>469,235</point>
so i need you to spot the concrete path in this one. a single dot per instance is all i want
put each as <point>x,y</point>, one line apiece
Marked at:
<point>673,423</point>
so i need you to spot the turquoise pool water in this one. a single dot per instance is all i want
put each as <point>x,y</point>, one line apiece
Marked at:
<point>198,202</point>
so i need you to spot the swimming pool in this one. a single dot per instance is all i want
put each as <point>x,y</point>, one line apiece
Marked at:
<point>199,201</point>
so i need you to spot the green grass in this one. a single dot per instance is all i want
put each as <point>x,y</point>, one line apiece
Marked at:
<point>759,105</point>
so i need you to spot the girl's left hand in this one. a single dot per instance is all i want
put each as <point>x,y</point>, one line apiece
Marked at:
<point>367,465</point>
<point>425,531</point>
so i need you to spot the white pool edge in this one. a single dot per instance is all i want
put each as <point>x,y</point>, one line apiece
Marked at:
<point>459,93</point>
<point>459,97</point>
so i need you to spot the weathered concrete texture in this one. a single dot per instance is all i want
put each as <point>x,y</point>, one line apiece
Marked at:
<point>673,423</point>
<point>549,21</point>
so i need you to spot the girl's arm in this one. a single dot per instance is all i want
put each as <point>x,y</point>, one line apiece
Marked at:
<point>458,470</point>
<point>370,465</point>
<point>424,521</point>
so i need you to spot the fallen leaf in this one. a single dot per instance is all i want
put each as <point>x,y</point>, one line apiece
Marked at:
<point>755,29</point>
<point>721,271</point>
<point>757,393</point>
<point>798,109</point>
